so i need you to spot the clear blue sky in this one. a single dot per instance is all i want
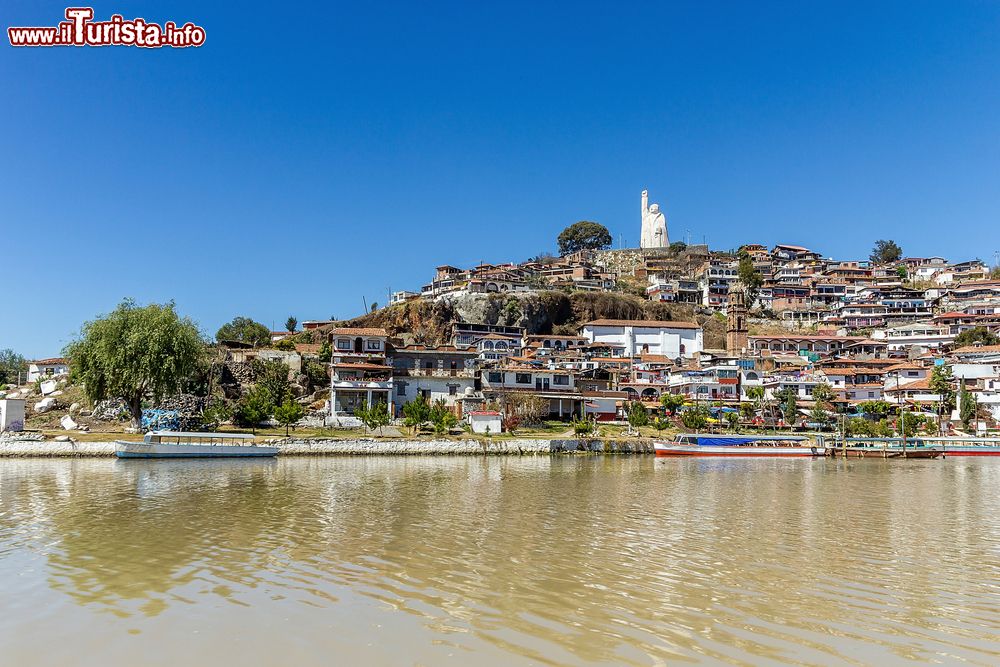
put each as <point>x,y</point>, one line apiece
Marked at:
<point>312,153</point>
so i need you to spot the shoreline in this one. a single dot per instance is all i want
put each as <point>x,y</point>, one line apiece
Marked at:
<point>362,447</point>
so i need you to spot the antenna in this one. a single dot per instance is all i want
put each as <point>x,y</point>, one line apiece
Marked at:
<point>364,302</point>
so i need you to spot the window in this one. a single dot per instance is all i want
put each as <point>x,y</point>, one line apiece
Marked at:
<point>560,379</point>
<point>428,364</point>
<point>495,377</point>
<point>400,389</point>
<point>522,378</point>
<point>344,344</point>
<point>373,344</point>
<point>453,390</point>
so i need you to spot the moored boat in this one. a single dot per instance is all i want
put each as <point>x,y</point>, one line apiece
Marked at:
<point>693,444</point>
<point>179,444</point>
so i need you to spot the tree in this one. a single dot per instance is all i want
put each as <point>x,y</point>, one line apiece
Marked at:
<point>968,407</point>
<point>733,420</point>
<point>416,413</point>
<point>291,323</point>
<point>751,279</point>
<point>13,367</point>
<point>901,272</point>
<point>942,384</point>
<point>671,402</point>
<point>216,413</point>
<point>976,335</point>
<point>135,352</point>
<point>288,412</point>
<point>789,404</point>
<point>442,418</point>
<point>677,247</point>
<point>823,393</point>
<point>325,352</point>
<point>695,419</point>
<point>244,330</point>
<point>253,407</point>
<point>374,306</point>
<point>584,235</point>
<point>637,415</point>
<point>374,417</point>
<point>885,252</point>
<point>272,377</point>
<point>876,408</point>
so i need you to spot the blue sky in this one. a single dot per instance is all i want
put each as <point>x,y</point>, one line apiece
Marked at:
<point>310,154</point>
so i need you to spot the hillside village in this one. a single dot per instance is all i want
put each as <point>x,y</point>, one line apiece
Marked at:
<point>669,335</point>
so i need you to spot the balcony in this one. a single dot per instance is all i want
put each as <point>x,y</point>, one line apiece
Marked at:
<point>435,372</point>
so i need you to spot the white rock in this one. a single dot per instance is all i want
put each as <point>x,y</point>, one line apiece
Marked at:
<point>63,438</point>
<point>68,423</point>
<point>45,405</point>
<point>48,387</point>
<point>57,392</point>
<point>74,407</point>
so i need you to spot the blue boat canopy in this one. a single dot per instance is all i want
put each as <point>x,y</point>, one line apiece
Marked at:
<point>724,440</point>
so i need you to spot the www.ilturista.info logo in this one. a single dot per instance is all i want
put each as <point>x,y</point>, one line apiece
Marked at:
<point>79,29</point>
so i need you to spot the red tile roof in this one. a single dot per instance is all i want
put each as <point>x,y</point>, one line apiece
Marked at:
<point>359,331</point>
<point>647,324</point>
<point>54,361</point>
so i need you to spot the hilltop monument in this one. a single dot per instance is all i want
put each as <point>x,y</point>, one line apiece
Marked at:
<point>654,225</point>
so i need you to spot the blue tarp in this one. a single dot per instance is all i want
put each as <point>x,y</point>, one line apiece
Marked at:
<point>161,420</point>
<point>724,440</point>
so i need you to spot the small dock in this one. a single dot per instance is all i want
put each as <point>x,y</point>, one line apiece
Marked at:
<point>885,448</point>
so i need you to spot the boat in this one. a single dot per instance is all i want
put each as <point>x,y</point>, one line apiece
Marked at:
<point>886,448</point>
<point>693,444</point>
<point>180,444</point>
<point>967,446</point>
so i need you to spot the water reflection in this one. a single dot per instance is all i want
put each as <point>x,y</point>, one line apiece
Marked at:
<point>553,561</point>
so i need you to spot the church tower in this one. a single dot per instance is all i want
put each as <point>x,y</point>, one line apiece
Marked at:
<point>736,319</point>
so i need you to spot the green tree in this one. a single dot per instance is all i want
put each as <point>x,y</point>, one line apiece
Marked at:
<point>374,417</point>
<point>288,412</point>
<point>733,420</point>
<point>216,413</point>
<point>13,367</point>
<point>976,335</point>
<point>876,408</point>
<point>695,419</point>
<point>135,352</point>
<point>789,405</point>
<point>968,407</point>
<point>442,418</point>
<point>272,377</point>
<point>751,279</point>
<point>942,384</point>
<point>416,413</point>
<point>677,247</point>
<point>374,306</point>
<point>291,323</point>
<point>254,407</point>
<point>886,252</point>
<point>244,330</point>
<point>584,235</point>
<point>902,273</point>
<point>672,402</point>
<point>637,415</point>
<point>325,352</point>
<point>284,345</point>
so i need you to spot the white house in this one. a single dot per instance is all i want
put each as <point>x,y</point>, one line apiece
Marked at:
<point>485,422</point>
<point>359,372</point>
<point>635,337</point>
<point>46,368</point>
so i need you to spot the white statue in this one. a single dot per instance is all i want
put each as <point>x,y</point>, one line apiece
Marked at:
<point>654,225</point>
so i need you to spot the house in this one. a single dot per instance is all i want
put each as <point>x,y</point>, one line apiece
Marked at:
<point>47,368</point>
<point>604,406</point>
<point>485,422</point>
<point>441,373</point>
<point>557,386</point>
<point>634,337</point>
<point>359,372</point>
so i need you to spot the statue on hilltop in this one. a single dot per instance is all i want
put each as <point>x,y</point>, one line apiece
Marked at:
<point>654,225</point>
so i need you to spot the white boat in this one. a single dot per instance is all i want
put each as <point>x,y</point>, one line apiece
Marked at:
<point>179,444</point>
<point>693,444</point>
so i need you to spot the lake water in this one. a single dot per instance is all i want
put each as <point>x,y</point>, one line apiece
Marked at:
<point>499,561</point>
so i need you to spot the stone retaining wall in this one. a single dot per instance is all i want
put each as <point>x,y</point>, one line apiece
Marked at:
<point>361,447</point>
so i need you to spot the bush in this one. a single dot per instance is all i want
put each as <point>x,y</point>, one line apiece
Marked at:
<point>254,407</point>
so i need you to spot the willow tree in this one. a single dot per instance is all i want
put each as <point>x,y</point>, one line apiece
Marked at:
<point>136,352</point>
